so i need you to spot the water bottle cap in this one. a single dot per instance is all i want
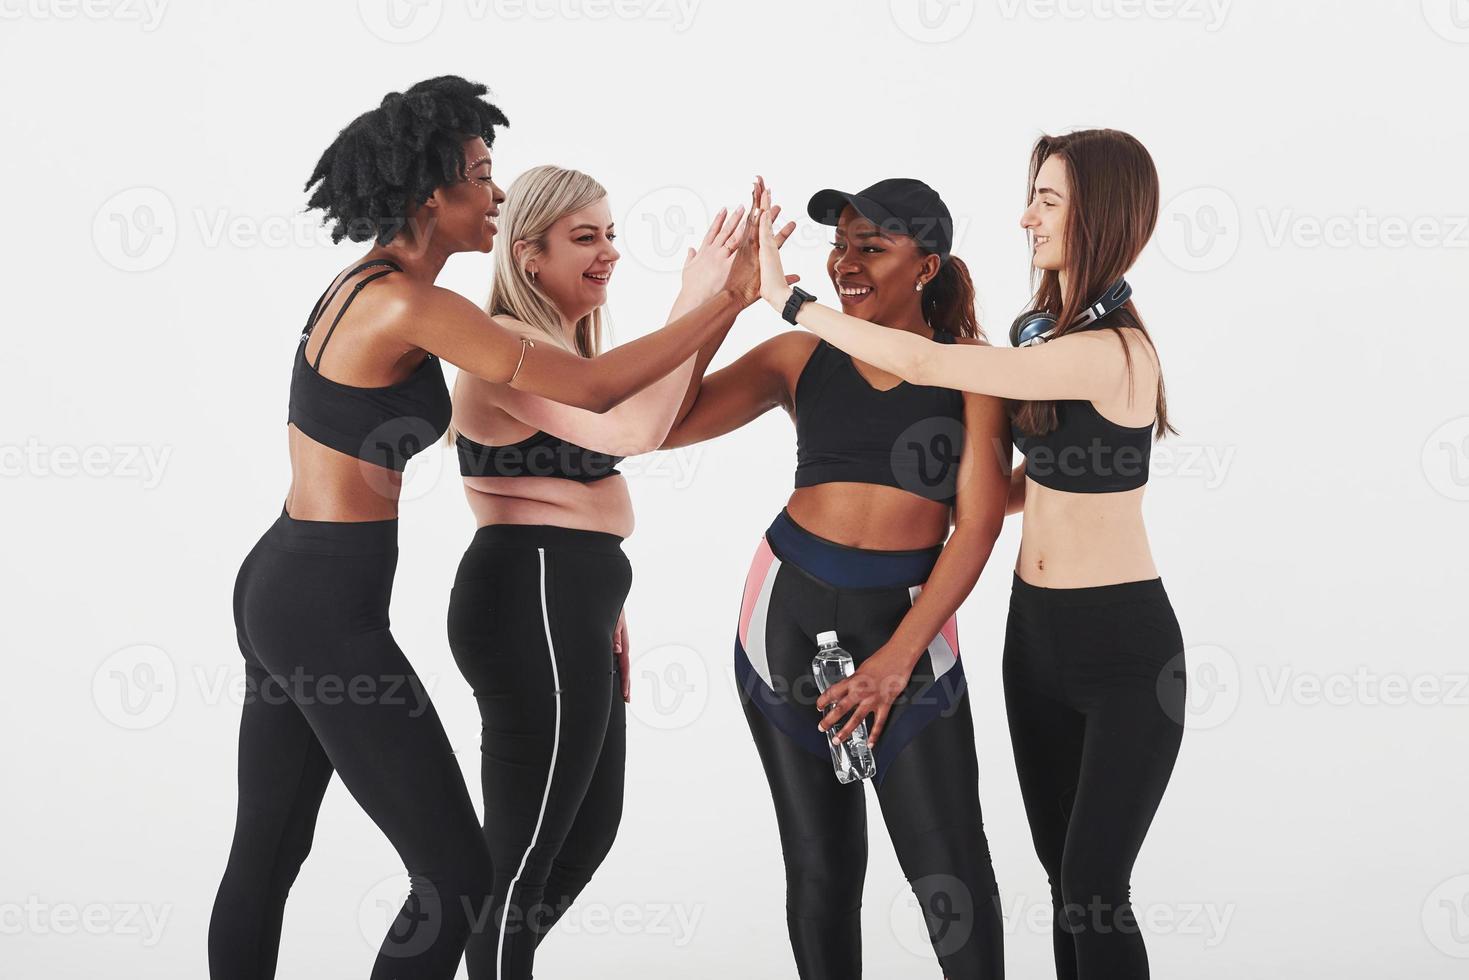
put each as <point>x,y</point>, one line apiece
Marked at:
<point>826,637</point>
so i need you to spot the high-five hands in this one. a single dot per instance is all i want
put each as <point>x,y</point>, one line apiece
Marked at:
<point>745,273</point>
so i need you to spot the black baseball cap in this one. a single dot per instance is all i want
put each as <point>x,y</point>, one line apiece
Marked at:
<point>898,205</point>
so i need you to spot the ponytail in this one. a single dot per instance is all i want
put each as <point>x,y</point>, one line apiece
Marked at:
<point>948,300</point>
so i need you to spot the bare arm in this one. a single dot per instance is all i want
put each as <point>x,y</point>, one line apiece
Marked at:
<point>445,323</point>
<point>762,378</point>
<point>1016,502</point>
<point>1078,366</point>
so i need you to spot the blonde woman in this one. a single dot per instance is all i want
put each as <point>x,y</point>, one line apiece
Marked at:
<point>535,617</point>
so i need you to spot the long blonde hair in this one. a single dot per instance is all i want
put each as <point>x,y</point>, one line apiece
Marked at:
<point>535,201</point>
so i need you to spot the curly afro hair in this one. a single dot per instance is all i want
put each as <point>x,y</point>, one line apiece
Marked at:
<point>389,160</point>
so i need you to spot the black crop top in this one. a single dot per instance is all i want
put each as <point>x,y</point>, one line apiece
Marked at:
<point>539,454</point>
<point>908,436</point>
<point>386,425</point>
<point>1086,453</point>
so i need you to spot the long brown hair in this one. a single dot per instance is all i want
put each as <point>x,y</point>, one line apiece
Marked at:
<point>948,300</point>
<point>1114,207</point>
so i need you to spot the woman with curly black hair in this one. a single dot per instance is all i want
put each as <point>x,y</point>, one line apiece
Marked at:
<point>327,687</point>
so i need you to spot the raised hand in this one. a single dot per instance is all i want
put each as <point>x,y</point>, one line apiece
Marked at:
<point>774,285</point>
<point>705,268</point>
<point>745,277</point>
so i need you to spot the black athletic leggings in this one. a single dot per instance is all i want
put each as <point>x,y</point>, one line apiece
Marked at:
<point>927,778</point>
<point>1094,689</point>
<point>329,690</point>
<point>531,620</point>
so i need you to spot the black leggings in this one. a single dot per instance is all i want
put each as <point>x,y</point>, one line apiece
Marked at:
<point>927,778</point>
<point>531,620</point>
<point>329,690</point>
<point>1094,690</point>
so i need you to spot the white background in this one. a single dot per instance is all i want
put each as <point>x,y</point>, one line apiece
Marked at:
<point>1305,289</point>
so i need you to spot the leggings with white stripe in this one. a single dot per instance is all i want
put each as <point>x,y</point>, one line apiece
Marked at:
<point>927,779</point>
<point>531,619</point>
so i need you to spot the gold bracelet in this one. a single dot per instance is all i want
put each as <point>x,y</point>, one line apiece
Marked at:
<point>524,343</point>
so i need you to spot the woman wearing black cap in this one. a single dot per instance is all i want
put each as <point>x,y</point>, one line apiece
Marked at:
<point>1094,665</point>
<point>883,469</point>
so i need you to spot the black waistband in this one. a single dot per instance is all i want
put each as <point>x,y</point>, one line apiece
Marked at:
<point>1090,595</point>
<point>342,538</point>
<point>545,536</point>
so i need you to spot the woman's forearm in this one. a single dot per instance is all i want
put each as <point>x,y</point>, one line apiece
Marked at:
<point>622,372</point>
<point>953,578</point>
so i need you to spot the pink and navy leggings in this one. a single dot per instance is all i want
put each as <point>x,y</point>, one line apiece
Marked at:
<point>927,779</point>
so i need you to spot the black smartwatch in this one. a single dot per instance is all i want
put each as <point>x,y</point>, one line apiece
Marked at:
<point>799,298</point>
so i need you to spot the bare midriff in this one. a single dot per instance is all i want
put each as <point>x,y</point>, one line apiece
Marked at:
<point>872,516</point>
<point>327,485</point>
<point>601,505</point>
<point>1076,540</point>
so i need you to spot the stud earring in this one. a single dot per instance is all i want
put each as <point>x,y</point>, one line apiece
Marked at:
<point>918,286</point>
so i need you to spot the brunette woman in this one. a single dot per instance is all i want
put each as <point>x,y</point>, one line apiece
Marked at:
<point>1093,667</point>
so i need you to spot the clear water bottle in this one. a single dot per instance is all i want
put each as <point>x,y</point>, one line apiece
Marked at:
<point>851,759</point>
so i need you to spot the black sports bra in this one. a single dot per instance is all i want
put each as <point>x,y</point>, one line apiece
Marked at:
<point>539,454</point>
<point>908,436</point>
<point>1086,453</point>
<point>387,425</point>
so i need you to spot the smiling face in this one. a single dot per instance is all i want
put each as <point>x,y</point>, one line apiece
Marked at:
<point>875,272</point>
<point>466,209</point>
<point>576,260</point>
<point>1045,216</point>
